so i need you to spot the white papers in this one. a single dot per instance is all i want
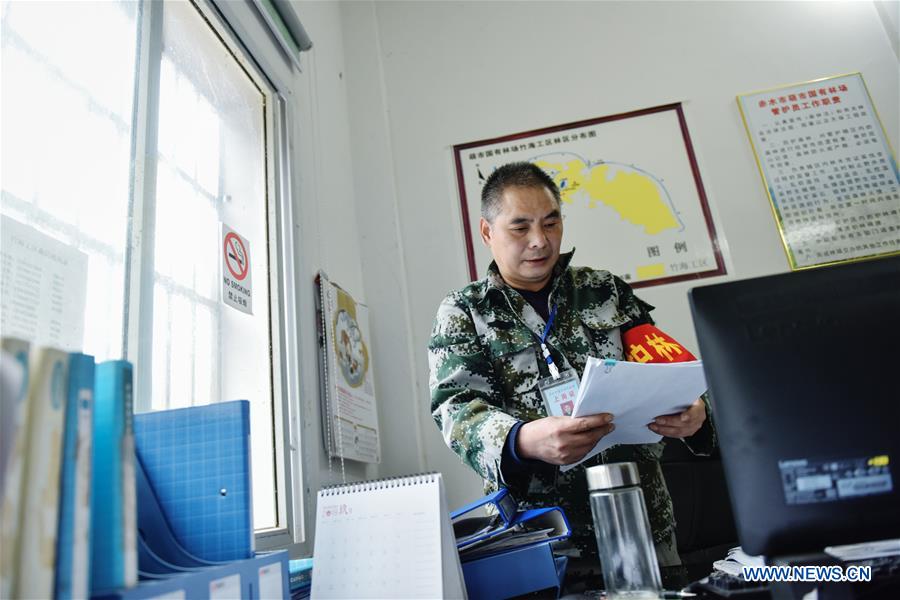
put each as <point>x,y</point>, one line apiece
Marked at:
<point>736,560</point>
<point>511,538</point>
<point>635,394</point>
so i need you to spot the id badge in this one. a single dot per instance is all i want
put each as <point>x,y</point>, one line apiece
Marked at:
<point>559,394</point>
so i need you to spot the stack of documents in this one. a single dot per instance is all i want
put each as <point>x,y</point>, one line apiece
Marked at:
<point>517,536</point>
<point>635,394</point>
<point>736,560</point>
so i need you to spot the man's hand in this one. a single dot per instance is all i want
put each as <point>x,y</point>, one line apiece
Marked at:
<point>562,440</point>
<point>681,425</point>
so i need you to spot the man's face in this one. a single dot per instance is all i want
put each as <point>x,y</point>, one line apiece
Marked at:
<point>525,236</point>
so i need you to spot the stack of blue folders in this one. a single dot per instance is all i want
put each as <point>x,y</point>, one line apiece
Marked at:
<point>195,526</point>
<point>508,552</point>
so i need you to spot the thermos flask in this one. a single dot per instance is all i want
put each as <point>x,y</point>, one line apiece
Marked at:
<point>624,539</point>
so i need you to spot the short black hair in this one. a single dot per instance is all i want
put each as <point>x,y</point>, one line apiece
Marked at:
<point>521,174</point>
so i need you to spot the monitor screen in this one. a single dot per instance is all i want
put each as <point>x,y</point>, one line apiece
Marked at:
<point>804,377</point>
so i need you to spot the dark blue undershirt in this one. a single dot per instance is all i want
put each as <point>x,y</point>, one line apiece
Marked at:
<point>539,300</point>
<point>511,464</point>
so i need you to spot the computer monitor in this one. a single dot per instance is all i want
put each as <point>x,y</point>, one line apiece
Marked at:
<point>804,376</point>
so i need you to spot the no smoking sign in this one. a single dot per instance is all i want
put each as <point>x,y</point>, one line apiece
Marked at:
<point>236,281</point>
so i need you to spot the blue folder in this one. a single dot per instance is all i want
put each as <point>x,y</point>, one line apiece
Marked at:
<point>246,578</point>
<point>515,573</point>
<point>197,462</point>
<point>185,459</point>
<point>499,559</point>
<point>505,522</point>
<point>500,504</point>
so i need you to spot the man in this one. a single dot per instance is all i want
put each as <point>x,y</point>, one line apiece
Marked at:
<point>486,361</point>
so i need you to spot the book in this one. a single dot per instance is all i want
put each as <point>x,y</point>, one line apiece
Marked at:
<point>73,547</point>
<point>113,505</point>
<point>39,509</point>
<point>14,382</point>
<point>13,418</point>
<point>197,460</point>
<point>301,573</point>
<point>386,538</point>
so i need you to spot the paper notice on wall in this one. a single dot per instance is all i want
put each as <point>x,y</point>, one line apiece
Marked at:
<point>44,285</point>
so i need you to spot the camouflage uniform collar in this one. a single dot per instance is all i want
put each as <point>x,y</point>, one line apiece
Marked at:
<point>495,280</point>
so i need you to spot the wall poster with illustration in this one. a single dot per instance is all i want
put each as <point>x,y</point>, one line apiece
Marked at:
<point>349,410</point>
<point>632,197</point>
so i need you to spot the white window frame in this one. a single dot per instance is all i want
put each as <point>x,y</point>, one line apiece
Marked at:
<point>239,27</point>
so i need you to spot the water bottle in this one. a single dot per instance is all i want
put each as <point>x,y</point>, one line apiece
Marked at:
<point>624,539</point>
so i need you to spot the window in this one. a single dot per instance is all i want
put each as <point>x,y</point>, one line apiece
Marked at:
<point>66,142</point>
<point>139,133</point>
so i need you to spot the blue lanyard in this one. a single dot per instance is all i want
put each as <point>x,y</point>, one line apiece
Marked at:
<point>554,372</point>
<point>549,324</point>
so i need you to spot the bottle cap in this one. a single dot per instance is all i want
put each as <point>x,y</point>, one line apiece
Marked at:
<point>614,475</point>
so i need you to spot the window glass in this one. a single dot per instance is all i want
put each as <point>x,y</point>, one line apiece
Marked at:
<point>67,113</point>
<point>211,171</point>
<point>68,84</point>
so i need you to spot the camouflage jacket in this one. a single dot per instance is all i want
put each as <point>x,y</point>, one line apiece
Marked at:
<point>485,361</point>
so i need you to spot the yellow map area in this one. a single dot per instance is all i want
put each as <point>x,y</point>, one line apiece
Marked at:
<point>633,195</point>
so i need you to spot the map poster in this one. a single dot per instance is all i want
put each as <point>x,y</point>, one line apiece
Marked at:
<point>632,198</point>
<point>829,172</point>
<point>349,410</point>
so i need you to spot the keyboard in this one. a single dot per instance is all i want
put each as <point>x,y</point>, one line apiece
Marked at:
<point>885,582</point>
<point>883,567</point>
<point>730,586</point>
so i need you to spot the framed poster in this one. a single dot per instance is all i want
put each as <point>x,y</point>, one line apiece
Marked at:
<point>631,194</point>
<point>828,170</point>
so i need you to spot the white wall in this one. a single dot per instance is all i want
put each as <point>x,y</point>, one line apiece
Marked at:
<point>334,227</point>
<point>327,233</point>
<point>324,219</point>
<point>422,76</point>
<point>384,250</point>
<point>889,11</point>
<point>354,240</point>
